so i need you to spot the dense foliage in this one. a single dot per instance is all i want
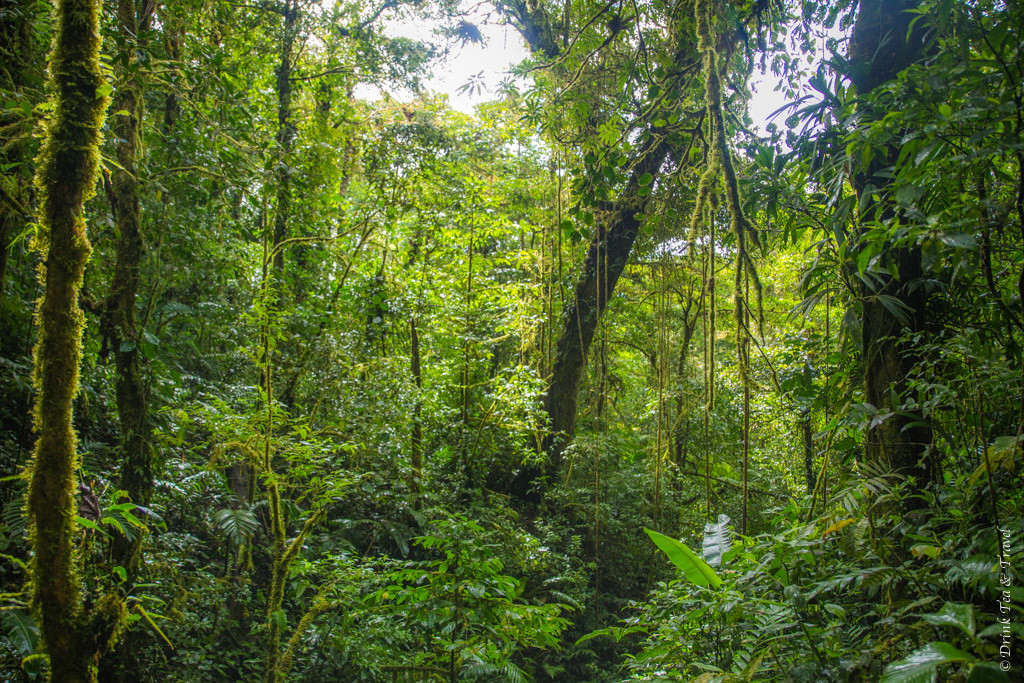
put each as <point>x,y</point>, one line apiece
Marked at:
<point>599,383</point>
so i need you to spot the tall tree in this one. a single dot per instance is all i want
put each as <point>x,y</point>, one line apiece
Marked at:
<point>119,317</point>
<point>883,43</point>
<point>618,219</point>
<point>66,178</point>
<point>667,130</point>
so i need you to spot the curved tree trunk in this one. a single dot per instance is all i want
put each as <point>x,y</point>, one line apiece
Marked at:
<point>606,259</point>
<point>66,177</point>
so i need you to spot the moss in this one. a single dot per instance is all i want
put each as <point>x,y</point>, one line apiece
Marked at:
<point>745,232</point>
<point>136,477</point>
<point>66,176</point>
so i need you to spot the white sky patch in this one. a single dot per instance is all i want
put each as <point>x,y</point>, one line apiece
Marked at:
<point>484,66</point>
<point>765,101</point>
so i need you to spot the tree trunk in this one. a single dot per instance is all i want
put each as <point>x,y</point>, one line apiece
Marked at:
<point>679,433</point>
<point>136,477</point>
<point>416,450</point>
<point>806,431</point>
<point>285,134</point>
<point>7,221</point>
<point>66,178</point>
<point>879,49</point>
<point>607,256</point>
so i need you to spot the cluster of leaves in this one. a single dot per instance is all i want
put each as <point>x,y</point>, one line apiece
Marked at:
<point>835,599</point>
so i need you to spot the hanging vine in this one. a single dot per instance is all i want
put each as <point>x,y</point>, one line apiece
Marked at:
<point>721,163</point>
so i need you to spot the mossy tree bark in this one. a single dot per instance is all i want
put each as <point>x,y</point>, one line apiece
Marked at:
<point>136,477</point>
<point>416,442</point>
<point>882,44</point>
<point>66,178</point>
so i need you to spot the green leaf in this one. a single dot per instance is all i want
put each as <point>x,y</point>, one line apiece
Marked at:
<point>280,619</point>
<point>896,308</point>
<point>645,179</point>
<point>909,194</point>
<point>717,541</point>
<point>922,665</point>
<point>104,90</point>
<point>121,573</point>
<point>21,631</point>
<point>954,614</point>
<point>865,256</point>
<point>238,524</point>
<point>959,240</point>
<point>149,619</point>
<point>694,568</point>
<point>986,672</point>
<point>1002,453</point>
<point>922,550</point>
<point>33,664</point>
<point>89,524</point>
<point>945,110</point>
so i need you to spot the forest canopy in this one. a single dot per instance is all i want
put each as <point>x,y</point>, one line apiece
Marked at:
<point>604,381</point>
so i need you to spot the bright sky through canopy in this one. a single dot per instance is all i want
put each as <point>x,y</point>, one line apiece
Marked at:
<point>487,65</point>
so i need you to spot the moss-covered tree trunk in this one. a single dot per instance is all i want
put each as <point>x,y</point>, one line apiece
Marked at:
<point>881,46</point>
<point>132,400</point>
<point>66,178</point>
<point>416,441</point>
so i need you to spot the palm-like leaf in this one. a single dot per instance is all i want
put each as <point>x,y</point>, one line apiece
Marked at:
<point>239,524</point>
<point>21,631</point>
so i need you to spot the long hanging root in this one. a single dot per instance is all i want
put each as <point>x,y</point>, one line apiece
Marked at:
<point>721,158</point>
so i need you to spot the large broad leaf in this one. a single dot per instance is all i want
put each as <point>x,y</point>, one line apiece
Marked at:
<point>1002,453</point>
<point>694,568</point>
<point>954,614</point>
<point>717,540</point>
<point>986,672</point>
<point>922,665</point>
